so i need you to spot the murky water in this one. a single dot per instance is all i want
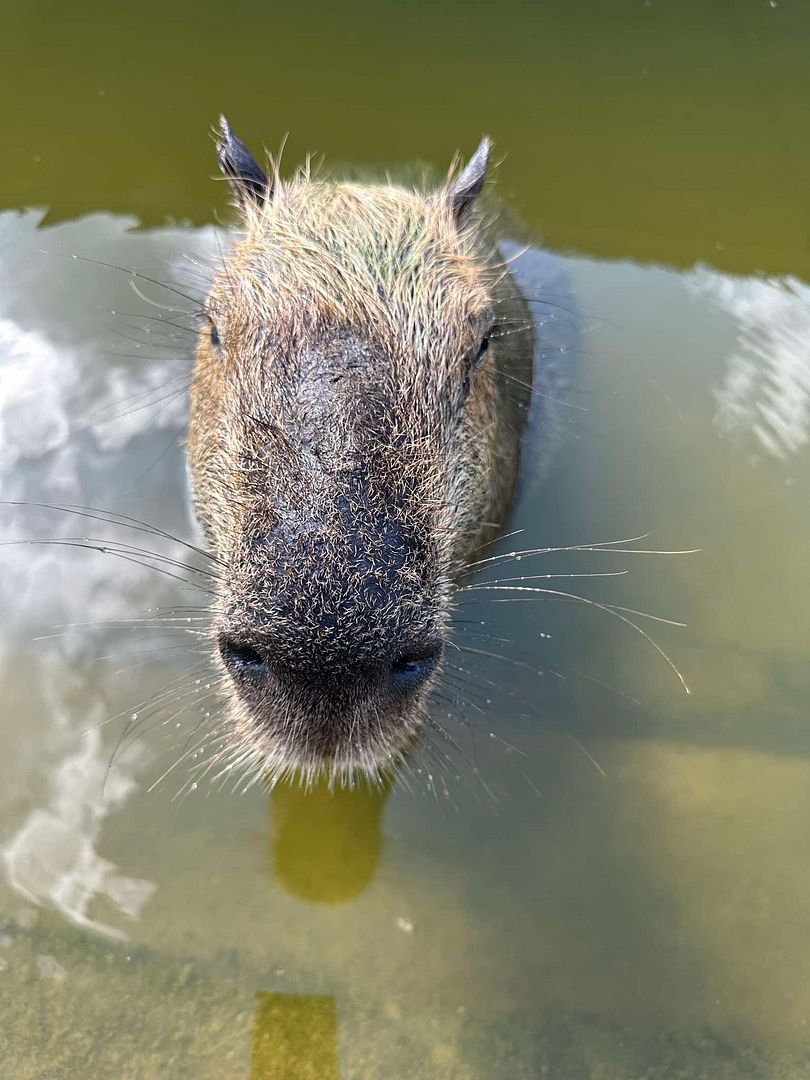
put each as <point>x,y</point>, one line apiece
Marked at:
<point>600,876</point>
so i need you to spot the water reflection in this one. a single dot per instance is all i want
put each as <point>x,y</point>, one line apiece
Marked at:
<point>53,859</point>
<point>324,847</point>
<point>669,892</point>
<point>765,389</point>
<point>325,844</point>
<point>72,425</point>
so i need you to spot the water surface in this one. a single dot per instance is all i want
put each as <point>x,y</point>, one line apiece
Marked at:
<point>596,874</point>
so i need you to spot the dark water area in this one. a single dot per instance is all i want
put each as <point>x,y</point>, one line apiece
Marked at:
<point>598,875</point>
<point>642,129</point>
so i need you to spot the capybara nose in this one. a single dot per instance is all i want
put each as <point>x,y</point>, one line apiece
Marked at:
<point>244,661</point>
<point>250,665</point>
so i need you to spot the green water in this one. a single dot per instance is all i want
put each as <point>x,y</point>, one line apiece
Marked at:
<point>606,878</point>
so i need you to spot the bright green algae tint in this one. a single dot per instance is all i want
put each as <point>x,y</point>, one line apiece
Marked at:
<point>595,875</point>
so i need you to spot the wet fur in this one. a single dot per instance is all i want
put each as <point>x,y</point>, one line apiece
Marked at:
<point>346,458</point>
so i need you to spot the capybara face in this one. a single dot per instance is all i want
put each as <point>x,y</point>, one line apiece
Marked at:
<point>348,452</point>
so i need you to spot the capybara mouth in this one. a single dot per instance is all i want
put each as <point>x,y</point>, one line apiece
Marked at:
<point>323,743</point>
<point>353,714</point>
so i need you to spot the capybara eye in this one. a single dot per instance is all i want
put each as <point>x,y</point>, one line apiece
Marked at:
<point>213,336</point>
<point>491,335</point>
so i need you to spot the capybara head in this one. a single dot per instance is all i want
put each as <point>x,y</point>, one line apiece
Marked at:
<point>352,441</point>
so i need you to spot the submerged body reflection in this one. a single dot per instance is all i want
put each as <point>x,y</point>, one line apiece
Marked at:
<point>325,845</point>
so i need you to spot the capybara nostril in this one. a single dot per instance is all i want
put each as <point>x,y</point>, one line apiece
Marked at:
<point>410,670</point>
<point>243,661</point>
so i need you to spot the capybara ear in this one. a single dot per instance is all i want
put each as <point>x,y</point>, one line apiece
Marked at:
<point>467,185</point>
<point>248,182</point>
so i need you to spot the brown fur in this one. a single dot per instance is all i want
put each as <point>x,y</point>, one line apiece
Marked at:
<point>345,461</point>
